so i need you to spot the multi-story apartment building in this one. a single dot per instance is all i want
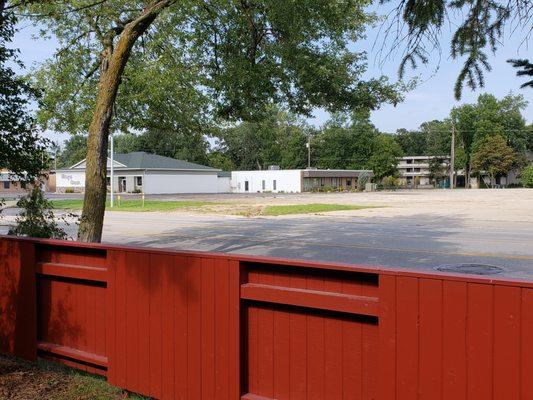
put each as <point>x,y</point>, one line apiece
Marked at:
<point>415,171</point>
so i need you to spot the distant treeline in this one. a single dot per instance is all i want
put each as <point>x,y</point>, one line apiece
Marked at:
<point>344,142</point>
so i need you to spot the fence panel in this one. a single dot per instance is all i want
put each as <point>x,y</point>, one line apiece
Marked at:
<point>183,325</point>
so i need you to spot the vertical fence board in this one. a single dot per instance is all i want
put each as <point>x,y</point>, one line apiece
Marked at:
<point>281,326</point>
<point>222,334</point>
<point>454,340</point>
<point>387,338</point>
<point>430,305</point>
<point>157,264</point>
<point>194,329</point>
<point>407,338</point>
<point>480,341</point>
<point>208,329</point>
<point>234,321</point>
<point>526,344</point>
<point>507,342</point>
<point>178,272</point>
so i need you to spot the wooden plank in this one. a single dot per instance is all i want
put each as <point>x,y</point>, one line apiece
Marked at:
<point>222,329</point>
<point>18,312</point>
<point>179,275</point>
<point>407,338</point>
<point>281,343</point>
<point>75,354</point>
<point>480,338</point>
<point>352,354</point>
<point>526,344</point>
<point>333,374</point>
<point>298,347</point>
<point>168,337</point>
<point>142,274</point>
<point>430,347</point>
<point>507,302</point>
<point>311,298</point>
<point>265,351</point>
<point>117,260</point>
<point>208,329</point>
<point>132,287</point>
<point>72,271</point>
<point>454,314</point>
<point>194,334</point>
<point>234,346</point>
<point>315,346</point>
<point>109,313</point>
<point>157,264</point>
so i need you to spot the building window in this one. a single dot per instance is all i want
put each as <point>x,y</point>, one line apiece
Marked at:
<point>409,169</point>
<point>6,184</point>
<point>417,169</point>
<point>348,182</point>
<point>139,180</point>
<point>273,185</point>
<point>409,161</point>
<point>108,181</point>
<point>263,185</point>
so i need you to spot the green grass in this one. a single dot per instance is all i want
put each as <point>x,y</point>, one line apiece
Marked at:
<point>309,208</point>
<point>134,205</point>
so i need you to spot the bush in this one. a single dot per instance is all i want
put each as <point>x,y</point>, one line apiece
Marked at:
<point>69,190</point>
<point>36,218</point>
<point>527,176</point>
<point>390,182</point>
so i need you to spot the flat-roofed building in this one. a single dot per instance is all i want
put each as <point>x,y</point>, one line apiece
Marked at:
<point>296,180</point>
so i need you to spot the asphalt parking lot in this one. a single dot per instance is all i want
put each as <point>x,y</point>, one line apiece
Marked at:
<point>418,229</point>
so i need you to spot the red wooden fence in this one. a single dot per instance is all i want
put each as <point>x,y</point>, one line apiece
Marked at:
<point>177,325</point>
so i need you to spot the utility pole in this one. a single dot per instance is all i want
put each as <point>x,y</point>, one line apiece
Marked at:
<point>452,158</point>
<point>309,150</point>
<point>112,180</point>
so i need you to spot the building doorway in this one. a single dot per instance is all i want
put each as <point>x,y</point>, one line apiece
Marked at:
<point>246,186</point>
<point>121,184</point>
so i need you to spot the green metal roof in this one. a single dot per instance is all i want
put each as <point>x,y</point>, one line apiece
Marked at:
<point>143,160</point>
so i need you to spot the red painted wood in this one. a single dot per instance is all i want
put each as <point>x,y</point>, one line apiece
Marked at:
<point>157,264</point>
<point>174,326</point>
<point>480,344</point>
<point>72,271</point>
<point>178,292</point>
<point>194,333</point>
<point>507,303</point>
<point>70,352</point>
<point>407,336</point>
<point>526,344</point>
<point>430,344</point>
<point>18,317</point>
<point>454,363</point>
<point>341,302</point>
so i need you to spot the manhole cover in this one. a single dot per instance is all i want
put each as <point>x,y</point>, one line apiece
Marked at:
<point>475,269</point>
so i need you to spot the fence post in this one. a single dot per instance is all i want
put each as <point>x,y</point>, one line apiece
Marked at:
<point>18,304</point>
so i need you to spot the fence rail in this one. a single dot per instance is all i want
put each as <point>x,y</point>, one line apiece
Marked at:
<point>184,325</point>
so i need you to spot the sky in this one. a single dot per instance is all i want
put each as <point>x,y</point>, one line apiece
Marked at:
<point>431,99</point>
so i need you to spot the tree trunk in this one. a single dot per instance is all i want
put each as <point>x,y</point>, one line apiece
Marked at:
<point>113,62</point>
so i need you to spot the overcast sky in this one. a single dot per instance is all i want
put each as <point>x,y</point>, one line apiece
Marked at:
<point>432,99</point>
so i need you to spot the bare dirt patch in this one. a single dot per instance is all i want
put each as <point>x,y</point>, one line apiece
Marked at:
<point>23,380</point>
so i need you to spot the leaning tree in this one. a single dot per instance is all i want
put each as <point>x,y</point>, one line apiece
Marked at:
<point>120,61</point>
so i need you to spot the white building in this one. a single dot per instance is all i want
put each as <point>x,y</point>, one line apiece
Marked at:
<point>141,172</point>
<point>295,180</point>
<point>414,170</point>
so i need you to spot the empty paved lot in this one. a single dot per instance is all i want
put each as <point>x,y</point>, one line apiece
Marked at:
<point>413,229</point>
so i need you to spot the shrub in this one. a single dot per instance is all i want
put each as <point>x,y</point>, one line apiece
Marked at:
<point>36,219</point>
<point>527,176</point>
<point>69,190</point>
<point>390,182</point>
